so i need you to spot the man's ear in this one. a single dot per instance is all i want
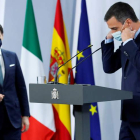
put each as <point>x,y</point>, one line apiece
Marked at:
<point>129,22</point>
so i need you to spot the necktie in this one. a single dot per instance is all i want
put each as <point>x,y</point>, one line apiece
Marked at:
<point>1,76</point>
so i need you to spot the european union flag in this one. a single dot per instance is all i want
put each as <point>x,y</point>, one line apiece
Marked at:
<point>84,72</point>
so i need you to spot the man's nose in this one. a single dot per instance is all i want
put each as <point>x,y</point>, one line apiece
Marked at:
<point>113,31</point>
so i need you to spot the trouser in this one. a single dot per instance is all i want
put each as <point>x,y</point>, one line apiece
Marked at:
<point>130,131</point>
<point>7,131</point>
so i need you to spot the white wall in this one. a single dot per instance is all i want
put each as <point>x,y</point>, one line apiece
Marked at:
<point>44,13</point>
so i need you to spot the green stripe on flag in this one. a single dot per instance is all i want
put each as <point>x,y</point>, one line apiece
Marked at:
<point>30,36</point>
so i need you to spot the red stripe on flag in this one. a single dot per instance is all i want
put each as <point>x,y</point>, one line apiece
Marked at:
<point>61,131</point>
<point>58,24</point>
<point>71,75</point>
<point>37,131</point>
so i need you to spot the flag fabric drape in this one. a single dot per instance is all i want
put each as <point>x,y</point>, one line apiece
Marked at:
<point>60,53</point>
<point>84,72</point>
<point>42,125</point>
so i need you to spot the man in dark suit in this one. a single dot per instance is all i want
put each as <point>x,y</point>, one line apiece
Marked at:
<point>14,107</point>
<point>125,27</point>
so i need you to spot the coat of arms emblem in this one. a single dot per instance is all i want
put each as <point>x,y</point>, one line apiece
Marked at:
<point>55,94</point>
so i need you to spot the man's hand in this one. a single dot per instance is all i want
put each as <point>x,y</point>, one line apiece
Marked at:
<point>1,97</point>
<point>25,124</point>
<point>109,35</point>
<point>127,34</point>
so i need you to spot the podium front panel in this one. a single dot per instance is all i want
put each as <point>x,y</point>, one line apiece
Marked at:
<point>68,94</point>
<point>74,94</point>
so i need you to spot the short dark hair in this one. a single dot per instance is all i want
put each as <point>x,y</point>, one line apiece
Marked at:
<point>121,11</point>
<point>1,29</point>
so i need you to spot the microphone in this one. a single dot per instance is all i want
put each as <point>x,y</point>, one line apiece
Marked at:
<point>69,77</point>
<point>55,81</point>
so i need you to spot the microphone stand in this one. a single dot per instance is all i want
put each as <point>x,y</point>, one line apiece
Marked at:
<point>55,80</point>
<point>69,77</point>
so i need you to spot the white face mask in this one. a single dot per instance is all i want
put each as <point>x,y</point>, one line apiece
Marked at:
<point>117,35</point>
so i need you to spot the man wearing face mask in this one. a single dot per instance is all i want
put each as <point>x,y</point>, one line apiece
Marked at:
<point>14,107</point>
<point>125,27</point>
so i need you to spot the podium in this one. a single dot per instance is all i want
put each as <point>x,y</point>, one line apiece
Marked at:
<point>81,96</point>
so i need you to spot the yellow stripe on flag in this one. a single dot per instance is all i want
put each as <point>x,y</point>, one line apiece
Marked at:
<point>67,48</point>
<point>58,45</point>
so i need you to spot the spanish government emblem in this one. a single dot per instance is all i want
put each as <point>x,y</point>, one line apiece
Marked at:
<point>55,94</point>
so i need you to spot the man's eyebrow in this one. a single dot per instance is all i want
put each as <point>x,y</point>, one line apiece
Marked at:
<point>114,28</point>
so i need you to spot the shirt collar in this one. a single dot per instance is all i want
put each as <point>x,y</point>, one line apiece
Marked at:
<point>0,52</point>
<point>136,34</point>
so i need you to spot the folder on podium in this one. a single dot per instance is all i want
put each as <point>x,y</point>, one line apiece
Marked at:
<point>81,96</point>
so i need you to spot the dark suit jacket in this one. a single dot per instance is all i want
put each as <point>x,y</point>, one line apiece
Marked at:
<point>14,89</point>
<point>126,57</point>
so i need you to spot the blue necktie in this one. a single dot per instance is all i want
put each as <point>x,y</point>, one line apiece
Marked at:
<point>1,76</point>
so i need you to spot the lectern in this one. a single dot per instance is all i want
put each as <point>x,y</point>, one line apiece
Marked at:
<point>79,95</point>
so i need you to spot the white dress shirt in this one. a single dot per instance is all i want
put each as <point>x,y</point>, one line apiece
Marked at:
<point>2,64</point>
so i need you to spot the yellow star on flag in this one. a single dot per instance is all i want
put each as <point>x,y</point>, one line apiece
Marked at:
<point>93,109</point>
<point>80,55</point>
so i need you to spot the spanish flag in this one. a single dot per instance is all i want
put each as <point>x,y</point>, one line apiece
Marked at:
<point>60,53</point>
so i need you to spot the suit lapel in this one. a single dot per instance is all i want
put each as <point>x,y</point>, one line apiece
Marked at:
<point>6,64</point>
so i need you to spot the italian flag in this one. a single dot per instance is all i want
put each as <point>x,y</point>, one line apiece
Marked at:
<point>42,125</point>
